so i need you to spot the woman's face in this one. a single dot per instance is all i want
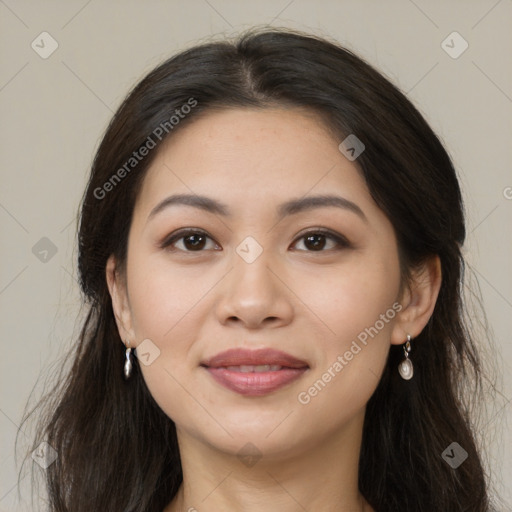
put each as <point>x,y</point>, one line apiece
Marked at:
<point>246,271</point>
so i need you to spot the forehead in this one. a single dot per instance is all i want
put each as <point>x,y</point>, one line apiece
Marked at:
<point>252,158</point>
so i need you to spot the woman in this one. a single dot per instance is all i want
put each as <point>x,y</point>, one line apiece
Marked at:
<point>270,246</point>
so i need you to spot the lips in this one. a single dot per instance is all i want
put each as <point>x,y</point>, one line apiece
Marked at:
<point>254,372</point>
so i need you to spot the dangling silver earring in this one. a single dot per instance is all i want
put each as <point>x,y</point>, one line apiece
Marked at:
<point>405,368</point>
<point>128,362</point>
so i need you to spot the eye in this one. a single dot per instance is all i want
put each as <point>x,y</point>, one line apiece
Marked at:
<point>196,240</point>
<point>192,240</point>
<point>316,240</point>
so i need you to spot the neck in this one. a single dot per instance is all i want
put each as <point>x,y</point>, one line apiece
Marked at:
<point>323,476</point>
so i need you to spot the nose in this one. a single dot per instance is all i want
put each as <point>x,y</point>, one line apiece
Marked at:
<point>255,295</point>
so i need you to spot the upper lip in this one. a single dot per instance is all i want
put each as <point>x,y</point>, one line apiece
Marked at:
<point>240,356</point>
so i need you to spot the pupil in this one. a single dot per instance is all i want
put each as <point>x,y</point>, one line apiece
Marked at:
<point>316,243</point>
<point>197,241</point>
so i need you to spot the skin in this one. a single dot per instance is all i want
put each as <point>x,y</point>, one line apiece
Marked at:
<point>309,303</point>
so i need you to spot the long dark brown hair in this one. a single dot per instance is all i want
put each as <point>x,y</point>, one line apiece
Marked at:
<point>117,450</point>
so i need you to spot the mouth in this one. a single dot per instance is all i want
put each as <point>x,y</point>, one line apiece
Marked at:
<point>254,372</point>
<point>247,368</point>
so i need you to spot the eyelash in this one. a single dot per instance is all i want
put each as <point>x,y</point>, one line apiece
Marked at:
<point>341,241</point>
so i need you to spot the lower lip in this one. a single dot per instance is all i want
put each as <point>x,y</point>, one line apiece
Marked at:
<point>255,383</point>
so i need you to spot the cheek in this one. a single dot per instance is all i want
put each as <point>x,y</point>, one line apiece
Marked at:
<point>349,298</point>
<point>161,296</point>
<point>164,304</point>
<point>357,307</point>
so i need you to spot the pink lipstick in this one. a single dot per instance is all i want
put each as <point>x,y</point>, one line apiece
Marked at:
<point>254,372</point>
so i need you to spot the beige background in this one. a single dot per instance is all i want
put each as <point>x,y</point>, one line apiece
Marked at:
<point>54,111</point>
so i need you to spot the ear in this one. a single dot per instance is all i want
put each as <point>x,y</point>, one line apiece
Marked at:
<point>120,304</point>
<point>418,300</point>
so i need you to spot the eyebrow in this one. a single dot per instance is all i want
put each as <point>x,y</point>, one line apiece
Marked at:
<point>290,207</point>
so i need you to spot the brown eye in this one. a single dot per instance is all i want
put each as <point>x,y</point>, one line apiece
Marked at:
<point>316,241</point>
<point>188,241</point>
<point>194,242</point>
